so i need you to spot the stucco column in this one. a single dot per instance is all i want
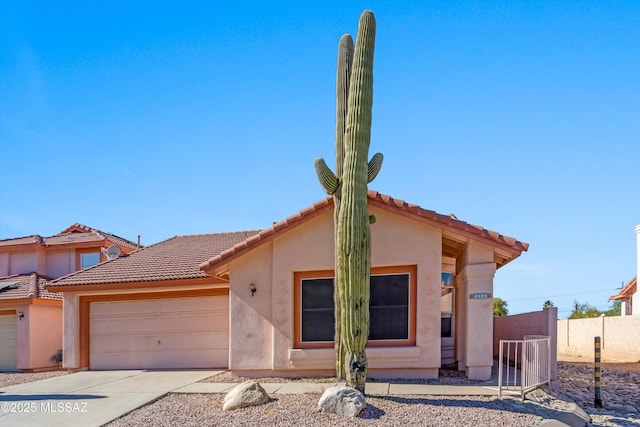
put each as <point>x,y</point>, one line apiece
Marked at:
<point>551,314</point>
<point>71,336</point>
<point>477,280</point>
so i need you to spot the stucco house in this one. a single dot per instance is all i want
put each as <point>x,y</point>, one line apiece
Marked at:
<point>30,316</point>
<point>627,294</point>
<point>260,302</point>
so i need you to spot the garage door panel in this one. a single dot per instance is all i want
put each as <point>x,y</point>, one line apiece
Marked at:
<point>161,333</point>
<point>8,347</point>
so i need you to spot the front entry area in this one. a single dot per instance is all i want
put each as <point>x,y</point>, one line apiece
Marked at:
<point>153,333</point>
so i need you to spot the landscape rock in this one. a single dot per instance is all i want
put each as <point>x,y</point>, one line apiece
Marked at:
<point>342,400</point>
<point>249,393</point>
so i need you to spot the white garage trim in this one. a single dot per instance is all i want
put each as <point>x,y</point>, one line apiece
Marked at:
<point>156,330</point>
<point>8,341</point>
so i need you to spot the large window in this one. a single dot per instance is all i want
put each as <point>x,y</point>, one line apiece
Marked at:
<point>391,307</point>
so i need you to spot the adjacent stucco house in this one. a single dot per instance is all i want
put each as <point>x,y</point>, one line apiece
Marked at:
<point>627,294</point>
<point>30,316</point>
<point>261,302</point>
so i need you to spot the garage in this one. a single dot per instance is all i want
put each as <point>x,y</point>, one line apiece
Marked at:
<point>8,354</point>
<point>159,333</point>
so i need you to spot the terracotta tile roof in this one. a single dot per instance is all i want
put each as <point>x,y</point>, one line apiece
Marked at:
<point>26,240</point>
<point>176,258</point>
<point>81,233</point>
<point>627,290</point>
<point>76,233</point>
<point>26,286</point>
<point>449,222</point>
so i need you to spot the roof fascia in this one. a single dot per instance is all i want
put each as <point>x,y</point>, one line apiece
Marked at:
<point>138,285</point>
<point>451,229</point>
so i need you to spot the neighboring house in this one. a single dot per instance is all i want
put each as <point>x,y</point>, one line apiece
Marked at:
<point>74,248</point>
<point>30,316</point>
<point>627,294</point>
<point>265,304</point>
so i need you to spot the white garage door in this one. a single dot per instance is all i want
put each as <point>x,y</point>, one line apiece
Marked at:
<point>8,353</point>
<point>160,333</point>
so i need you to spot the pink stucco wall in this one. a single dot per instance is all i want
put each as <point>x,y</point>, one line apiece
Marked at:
<point>38,335</point>
<point>60,262</point>
<point>45,336</point>
<point>49,262</point>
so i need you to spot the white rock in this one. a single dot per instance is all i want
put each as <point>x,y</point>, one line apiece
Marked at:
<point>249,393</point>
<point>342,400</point>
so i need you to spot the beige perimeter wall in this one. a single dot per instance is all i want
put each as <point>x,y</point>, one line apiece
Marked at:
<point>620,338</point>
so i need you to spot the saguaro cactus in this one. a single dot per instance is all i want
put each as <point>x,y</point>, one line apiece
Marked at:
<point>349,187</point>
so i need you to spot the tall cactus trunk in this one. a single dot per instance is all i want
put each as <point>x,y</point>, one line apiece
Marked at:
<point>343,76</point>
<point>353,234</point>
<point>348,185</point>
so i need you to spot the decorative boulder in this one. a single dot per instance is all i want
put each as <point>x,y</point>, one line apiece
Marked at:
<point>249,393</point>
<point>342,400</point>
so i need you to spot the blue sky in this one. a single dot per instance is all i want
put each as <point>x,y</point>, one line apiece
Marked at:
<point>167,118</point>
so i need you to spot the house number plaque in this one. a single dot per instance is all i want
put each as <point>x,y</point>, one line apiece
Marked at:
<point>480,295</point>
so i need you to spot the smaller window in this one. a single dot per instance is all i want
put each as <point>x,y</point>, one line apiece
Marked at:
<point>446,306</point>
<point>88,259</point>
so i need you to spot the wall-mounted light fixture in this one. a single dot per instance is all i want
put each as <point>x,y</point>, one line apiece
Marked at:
<point>252,288</point>
<point>20,315</point>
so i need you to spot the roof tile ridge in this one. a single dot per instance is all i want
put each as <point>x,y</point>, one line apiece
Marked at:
<point>107,236</point>
<point>449,219</point>
<point>33,286</point>
<point>215,234</point>
<point>36,238</point>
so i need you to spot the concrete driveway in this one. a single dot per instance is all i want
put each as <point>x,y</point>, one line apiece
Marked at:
<point>89,398</point>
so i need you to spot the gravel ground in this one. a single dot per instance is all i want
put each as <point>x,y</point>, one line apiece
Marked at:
<point>13,378</point>
<point>300,410</point>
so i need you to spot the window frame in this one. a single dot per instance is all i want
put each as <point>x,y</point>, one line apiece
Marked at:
<point>449,285</point>
<point>298,276</point>
<point>87,251</point>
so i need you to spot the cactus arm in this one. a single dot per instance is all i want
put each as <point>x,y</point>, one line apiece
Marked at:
<point>327,178</point>
<point>373,167</point>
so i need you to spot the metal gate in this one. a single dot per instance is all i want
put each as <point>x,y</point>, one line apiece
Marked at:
<point>524,364</point>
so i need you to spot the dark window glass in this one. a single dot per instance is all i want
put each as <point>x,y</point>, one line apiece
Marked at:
<point>445,327</point>
<point>317,310</point>
<point>388,308</point>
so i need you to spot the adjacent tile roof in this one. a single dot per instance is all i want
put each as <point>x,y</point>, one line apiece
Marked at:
<point>75,233</point>
<point>627,290</point>
<point>26,286</point>
<point>26,240</point>
<point>176,258</point>
<point>449,222</point>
